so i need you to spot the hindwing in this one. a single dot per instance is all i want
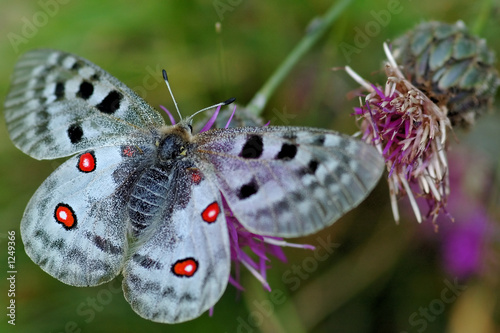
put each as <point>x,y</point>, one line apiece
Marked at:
<point>76,223</point>
<point>182,268</point>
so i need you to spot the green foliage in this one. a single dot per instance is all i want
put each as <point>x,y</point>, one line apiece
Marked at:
<point>379,276</point>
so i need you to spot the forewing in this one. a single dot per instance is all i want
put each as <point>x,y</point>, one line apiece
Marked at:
<point>183,268</point>
<point>60,104</point>
<point>75,224</point>
<point>288,181</point>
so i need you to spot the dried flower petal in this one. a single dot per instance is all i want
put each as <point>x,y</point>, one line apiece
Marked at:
<point>409,130</point>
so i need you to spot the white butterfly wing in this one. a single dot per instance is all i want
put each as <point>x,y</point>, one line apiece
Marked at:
<point>75,225</point>
<point>183,268</point>
<point>277,181</point>
<point>60,104</point>
<point>288,181</point>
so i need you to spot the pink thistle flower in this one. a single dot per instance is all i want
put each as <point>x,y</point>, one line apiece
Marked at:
<point>467,246</point>
<point>260,247</point>
<point>409,130</point>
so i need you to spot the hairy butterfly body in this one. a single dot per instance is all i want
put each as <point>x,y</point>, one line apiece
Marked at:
<point>144,199</point>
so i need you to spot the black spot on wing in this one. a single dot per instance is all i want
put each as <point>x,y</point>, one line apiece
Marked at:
<point>287,152</point>
<point>253,147</point>
<point>313,166</point>
<point>104,244</point>
<point>110,103</point>
<point>146,262</point>
<point>58,244</point>
<point>75,133</point>
<point>292,136</point>
<point>41,234</point>
<point>86,90</point>
<point>310,169</point>
<point>319,140</point>
<point>169,292</point>
<point>134,279</point>
<point>281,206</point>
<point>248,189</point>
<point>345,159</point>
<point>209,275</point>
<point>187,297</point>
<point>59,90</point>
<point>42,121</point>
<point>60,59</point>
<point>42,115</point>
<point>44,72</point>
<point>77,65</point>
<point>297,196</point>
<point>138,285</point>
<point>43,262</point>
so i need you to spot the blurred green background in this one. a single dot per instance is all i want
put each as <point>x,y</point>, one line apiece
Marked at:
<point>379,276</point>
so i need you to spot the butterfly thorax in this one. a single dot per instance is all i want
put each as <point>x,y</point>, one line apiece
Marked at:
<point>172,147</point>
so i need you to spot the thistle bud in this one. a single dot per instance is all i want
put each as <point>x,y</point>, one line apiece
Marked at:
<point>454,68</point>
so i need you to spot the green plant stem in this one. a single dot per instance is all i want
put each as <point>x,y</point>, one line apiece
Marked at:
<point>316,30</point>
<point>484,14</point>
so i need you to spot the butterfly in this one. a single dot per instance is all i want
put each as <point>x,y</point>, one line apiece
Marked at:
<point>144,199</point>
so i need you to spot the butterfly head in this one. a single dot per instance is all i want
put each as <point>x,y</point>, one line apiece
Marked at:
<point>175,141</point>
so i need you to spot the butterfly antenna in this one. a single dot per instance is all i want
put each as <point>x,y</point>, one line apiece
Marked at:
<point>165,77</point>
<point>226,102</point>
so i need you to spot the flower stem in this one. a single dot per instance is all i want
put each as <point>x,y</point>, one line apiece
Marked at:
<point>316,29</point>
<point>482,17</point>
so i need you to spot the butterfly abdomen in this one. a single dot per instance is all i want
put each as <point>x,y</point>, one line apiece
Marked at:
<point>148,196</point>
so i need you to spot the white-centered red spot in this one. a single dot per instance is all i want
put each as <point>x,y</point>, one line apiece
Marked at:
<point>185,267</point>
<point>86,163</point>
<point>211,212</point>
<point>65,215</point>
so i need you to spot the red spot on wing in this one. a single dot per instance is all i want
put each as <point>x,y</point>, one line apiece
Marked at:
<point>211,212</point>
<point>128,151</point>
<point>86,162</point>
<point>185,267</point>
<point>196,175</point>
<point>65,215</point>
